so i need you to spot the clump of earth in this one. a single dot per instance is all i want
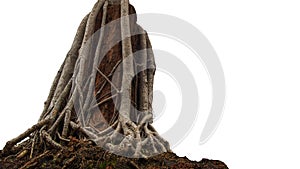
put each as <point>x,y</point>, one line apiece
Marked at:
<point>85,155</point>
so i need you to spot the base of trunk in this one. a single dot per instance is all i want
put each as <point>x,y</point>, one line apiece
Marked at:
<point>84,154</point>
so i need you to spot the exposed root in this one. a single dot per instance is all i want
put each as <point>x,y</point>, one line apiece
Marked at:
<point>10,144</point>
<point>56,123</point>
<point>33,161</point>
<point>49,139</point>
<point>83,131</point>
<point>66,123</point>
<point>33,145</point>
<point>134,165</point>
<point>22,154</point>
<point>68,162</point>
<point>61,138</point>
<point>135,145</point>
<point>129,131</point>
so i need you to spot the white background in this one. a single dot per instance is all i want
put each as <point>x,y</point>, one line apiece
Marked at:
<point>257,42</point>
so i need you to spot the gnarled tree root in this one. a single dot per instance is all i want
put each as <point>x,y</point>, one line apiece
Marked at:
<point>59,121</point>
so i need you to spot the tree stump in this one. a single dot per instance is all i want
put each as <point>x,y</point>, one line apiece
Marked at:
<point>103,90</point>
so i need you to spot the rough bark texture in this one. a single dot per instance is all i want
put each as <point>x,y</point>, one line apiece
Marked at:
<point>102,93</point>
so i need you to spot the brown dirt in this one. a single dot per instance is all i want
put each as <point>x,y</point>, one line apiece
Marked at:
<point>84,155</point>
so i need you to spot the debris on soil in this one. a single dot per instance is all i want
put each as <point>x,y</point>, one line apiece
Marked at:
<point>85,155</point>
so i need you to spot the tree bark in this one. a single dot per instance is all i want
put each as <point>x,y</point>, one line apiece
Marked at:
<point>85,102</point>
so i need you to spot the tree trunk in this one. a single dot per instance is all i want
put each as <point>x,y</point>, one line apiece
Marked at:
<point>103,90</point>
